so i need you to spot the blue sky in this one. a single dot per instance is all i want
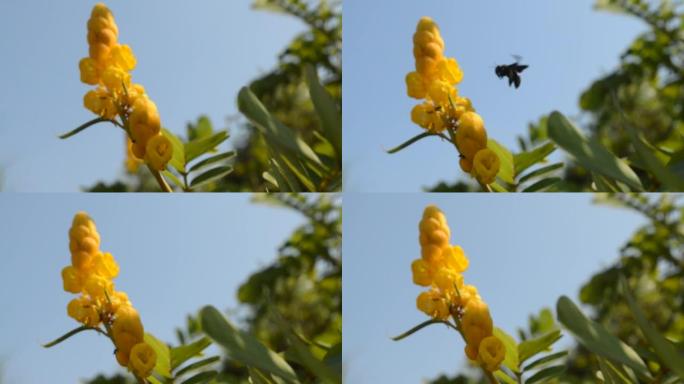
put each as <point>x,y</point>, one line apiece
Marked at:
<point>176,255</point>
<point>566,43</point>
<point>192,60</point>
<point>525,251</point>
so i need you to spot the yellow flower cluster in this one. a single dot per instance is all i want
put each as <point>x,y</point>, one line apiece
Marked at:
<point>108,67</point>
<point>435,80</point>
<point>90,274</point>
<point>440,267</point>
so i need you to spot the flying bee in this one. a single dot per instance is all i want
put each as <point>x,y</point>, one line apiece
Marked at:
<point>511,71</point>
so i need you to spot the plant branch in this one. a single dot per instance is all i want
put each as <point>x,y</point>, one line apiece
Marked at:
<point>160,180</point>
<point>71,333</point>
<point>83,126</point>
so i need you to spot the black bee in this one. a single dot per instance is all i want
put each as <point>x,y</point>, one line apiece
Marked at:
<point>511,71</point>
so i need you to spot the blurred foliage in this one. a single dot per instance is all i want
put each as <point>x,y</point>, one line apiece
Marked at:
<point>284,93</point>
<point>299,294</point>
<point>636,111</point>
<point>652,260</point>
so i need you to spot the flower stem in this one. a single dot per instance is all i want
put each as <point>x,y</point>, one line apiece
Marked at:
<point>160,180</point>
<point>71,333</point>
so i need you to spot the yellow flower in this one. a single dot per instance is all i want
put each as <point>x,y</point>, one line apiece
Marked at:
<point>476,322</point>
<point>72,280</point>
<point>117,300</point>
<point>466,165</point>
<point>158,152</point>
<point>116,79</point>
<point>428,116</point>
<point>135,92</point>
<point>105,265</point>
<point>90,73</point>
<point>486,166</point>
<point>100,102</point>
<point>491,353</point>
<point>415,85</point>
<point>448,280</point>
<point>122,57</point>
<point>144,124</point>
<point>84,311</point>
<point>441,92</point>
<point>96,286</point>
<point>102,32</point>
<point>433,304</point>
<point>421,272</point>
<point>471,135</point>
<point>455,258</point>
<point>450,71</point>
<point>127,331</point>
<point>142,360</point>
<point>82,260</point>
<point>434,232</point>
<point>132,162</point>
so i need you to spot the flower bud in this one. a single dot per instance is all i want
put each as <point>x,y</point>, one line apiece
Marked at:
<point>470,135</point>
<point>142,360</point>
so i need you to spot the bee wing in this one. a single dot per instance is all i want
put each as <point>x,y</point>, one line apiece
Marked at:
<point>517,58</point>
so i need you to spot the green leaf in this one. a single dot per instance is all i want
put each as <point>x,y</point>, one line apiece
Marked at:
<point>163,366</point>
<point>506,159</point>
<point>504,377</point>
<point>497,187</point>
<point>540,171</point>
<point>529,348</point>
<point>527,159</point>
<point>178,158</point>
<point>611,374</point>
<point>542,184</point>
<point>82,127</point>
<point>671,181</point>
<point>212,174</point>
<point>331,118</point>
<point>304,357</point>
<point>511,361</point>
<point>169,175</point>
<point>596,338</point>
<point>663,347</point>
<point>544,360</point>
<point>199,147</point>
<point>258,377</point>
<point>197,365</point>
<point>546,373</point>
<point>271,179</point>
<point>275,133</point>
<point>419,327</point>
<point>589,153</point>
<point>333,359</point>
<point>242,346</point>
<point>181,354</point>
<point>202,377</point>
<point>411,141</point>
<point>604,184</point>
<point>212,160</point>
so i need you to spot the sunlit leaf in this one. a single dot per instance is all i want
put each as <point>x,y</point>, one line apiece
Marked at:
<point>596,338</point>
<point>163,366</point>
<point>589,153</point>
<point>242,346</point>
